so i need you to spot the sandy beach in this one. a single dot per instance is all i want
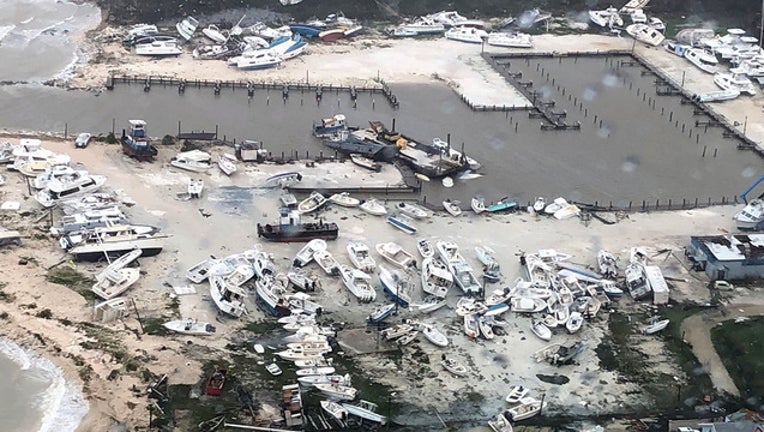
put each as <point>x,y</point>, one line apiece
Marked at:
<point>233,205</point>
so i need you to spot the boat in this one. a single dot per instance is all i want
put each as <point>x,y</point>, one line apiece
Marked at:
<point>485,327</point>
<point>318,361</point>
<point>302,282</point>
<point>454,19</point>
<point>407,338</point>
<point>420,26</point>
<point>357,282</point>
<point>282,180</point>
<point>272,295</point>
<point>447,182</point>
<point>363,142</point>
<point>396,255</point>
<point>645,34</point>
<point>51,172</point>
<point>716,96</point>
<point>261,265</point>
<point>374,207</point>
<point>287,48</point>
<point>137,143</point>
<point>291,229</point>
<point>110,310</point>
<point>478,204</point>
<point>541,330</point>
<point>195,188</point>
<point>381,313</point>
<point>402,222</point>
<point>345,200</point>
<point>555,205</point>
<point>425,248</point>
<point>655,327</point>
<point>158,48</point>
<point>751,216</point>
<point>500,423</point>
<point>226,165</point>
<point>527,305</point>
<point>305,255</point>
<point>59,188</point>
<point>509,40</point>
<point>213,52</point>
<point>332,35</point>
<point>453,366</point>
<point>432,334</point>
<point>704,60</point>
<point>735,81</point>
<point>312,203</point>
<point>187,27</point>
<point>194,161</point>
<point>607,263</point>
<point>395,284</point>
<point>113,282</point>
<point>309,30</point>
<point>216,382</point>
<point>190,327</point>
<point>364,162</point>
<point>606,18</point>
<point>315,370</point>
<point>515,394</point>
<point>471,328</point>
<point>256,61</point>
<point>638,16</point>
<point>216,35</point>
<point>574,322</point>
<point>83,139</point>
<point>360,256</point>
<point>412,210</point>
<point>366,410</point>
<point>89,219</point>
<point>452,207</point>
<point>485,255</point>
<point>330,126</point>
<point>466,34</point>
<point>228,298</point>
<point>428,305</point>
<point>200,271</point>
<point>503,204</point>
<point>634,4</point>
<point>335,410</point>
<point>288,200</point>
<point>273,369</point>
<point>326,261</point>
<point>103,242</point>
<point>526,408</point>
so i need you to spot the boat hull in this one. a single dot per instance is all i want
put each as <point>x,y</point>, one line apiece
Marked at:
<point>298,233</point>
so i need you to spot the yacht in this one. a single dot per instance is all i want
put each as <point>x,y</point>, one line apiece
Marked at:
<point>187,27</point>
<point>606,18</point>
<point>454,19</point>
<point>158,49</point>
<point>90,219</point>
<point>55,172</point>
<point>256,60</point>
<point>58,189</point>
<point>704,60</point>
<point>421,26</point>
<point>735,80</point>
<point>645,34</point>
<point>101,243</point>
<point>751,216</point>
<point>466,34</point>
<point>509,40</point>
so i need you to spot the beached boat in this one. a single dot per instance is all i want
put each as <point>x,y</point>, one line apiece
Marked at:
<point>509,40</point>
<point>500,423</point>
<point>216,35</point>
<point>527,305</point>
<point>396,255</point>
<point>504,204</point>
<point>306,254</point>
<point>273,369</point>
<point>751,217</point>
<point>716,96</point>
<point>330,126</point>
<point>366,410</point>
<point>310,380</point>
<point>262,266</point>
<point>303,302</point>
<point>374,207</point>
<point>396,331</point>
<point>526,408</point>
<point>478,204</point>
<point>412,210</point>
<point>420,26</point>
<point>408,338</point>
<point>428,305</point>
<point>467,34</point>
<point>515,394</point>
<point>158,48</point>
<point>291,229</point>
<point>335,410</point>
<point>113,282</point>
<point>464,277</point>
<point>190,327</point>
<point>320,370</point>
<point>110,310</point>
<point>574,322</point>
<point>607,263</point>
<point>655,327</point>
<point>326,261</point>
<point>89,220</point>
<point>226,165</point>
<point>425,248</point>
<point>187,27</point>
<point>195,188</point>
<point>402,222</point>
<point>216,382</point>
<point>288,200</point>
<point>453,366</point>
<point>735,81</point>
<point>112,241</point>
<point>396,284</point>
<point>229,299</point>
<point>471,328</point>
<point>51,172</point>
<point>364,162</point>
<point>193,160</point>
<point>452,207</point>
<point>704,60</point>
<point>137,144</point>
<point>302,282</point>
<point>213,52</point>
<point>485,327</point>
<point>645,34</point>
<point>256,61</point>
<point>345,200</point>
<point>62,188</point>
<point>282,180</point>
<point>434,335</point>
<point>357,282</point>
<point>312,203</point>
<point>360,256</point>
<point>381,313</point>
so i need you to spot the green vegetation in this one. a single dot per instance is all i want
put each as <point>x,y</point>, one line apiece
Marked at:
<point>741,349</point>
<point>261,327</point>
<point>103,339</point>
<point>153,326</point>
<point>4,296</point>
<point>44,314</point>
<point>111,139</point>
<point>73,279</point>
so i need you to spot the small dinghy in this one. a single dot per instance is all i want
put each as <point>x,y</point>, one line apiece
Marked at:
<point>374,207</point>
<point>190,327</point>
<point>305,255</point>
<point>453,366</point>
<point>425,248</point>
<point>345,200</point>
<point>452,207</point>
<point>539,205</point>
<point>335,410</point>
<point>402,222</point>
<point>655,327</point>
<point>478,204</point>
<point>539,329</point>
<point>226,165</point>
<point>434,335</point>
<point>360,256</point>
<point>412,210</point>
<point>195,188</point>
<point>382,312</point>
<point>515,394</point>
<point>273,369</point>
<point>312,203</point>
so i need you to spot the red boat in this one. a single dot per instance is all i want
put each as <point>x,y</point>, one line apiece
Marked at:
<point>332,35</point>
<point>216,382</point>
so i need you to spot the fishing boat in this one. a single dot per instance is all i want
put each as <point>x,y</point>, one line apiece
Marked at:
<point>360,256</point>
<point>509,40</point>
<point>273,369</point>
<point>187,27</point>
<point>500,423</point>
<point>425,248</point>
<point>396,284</point>
<point>195,188</point>
<point>302,282</point>
<point>453,366</point>
<point>526,408</point>
<point>229,299</point>
<point>306,254</point>
<point>190,327</point>
<point>216,382</point>
<point>256,61</point>
<point>288,200</point>
<point>364,162</point>
<point>574,322</point>
<point>412,210</point>
<point>357,282</point>
<point>402,222</point>
<point>655,327</point>
<point>137,143</point>
<point>345,200</point>
<point>434,335</point>
<point>478,204</point>
<point>428,305</point>
<point>326,261</point>
<point>226,165</point>
<point>381,313</point>
<point>291,229</point>
<point>330,126</point>
<point>335,410</point>
<point>452,207</point>
<point>515,394</point>
<point>466,34</point>
<point>193,160</point>
<point>396,255</point>
<point>113,282</point>
<point>374,207</point>
<point>312,203</point>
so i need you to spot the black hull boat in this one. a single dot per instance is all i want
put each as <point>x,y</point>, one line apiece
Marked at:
<point>137,144</point>
<point>364,143</point>
<point>289,228</point>
<point>101,255</point>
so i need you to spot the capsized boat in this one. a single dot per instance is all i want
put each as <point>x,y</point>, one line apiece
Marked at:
<point>112,282</point>
<point>365,410</point>
<point>187,27</point>
<point>509,40</point>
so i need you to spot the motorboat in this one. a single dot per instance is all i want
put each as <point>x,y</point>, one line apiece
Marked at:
<point>408,338</point>
<point>645,34</point>
<point>607,263</point>
<point>216,35</point>
<point>382,312</point>
<point>194,161</point>
<point>195,188</point>
<point>228,298</point>
<point>302,282</point>
<point>425,248</point>
<point>503,204</point>
<point>412,210</point>
<point>450,153</point>
<point>716,96</point>
<point>656,23</point>
<point>282,180</point>
<point>167,48</point>
<point>187,27</point>
<point>401,31</point>
<point>199,272</point>
<point>345,200</point>
<point>515,394</point>
<point>704,60</point>
<point>112,282</point>
<point>453,366</point>
<point>303,302</point>
<point>396,284</point>
<point>88,220</point>
<point>421,26</point>
<point>312,203</point>
<point>485,327</point>
<point>89,202</point>
<point>226,165</point>
<point>61,188</point>
<point>212,52</point>
<point>509,40</point>
<point>326,261</point>
<point>190,327</point>
<point>402,222</point>
<point>469,306</point>
<point>454,19</point>
<point>255,61</point>
<point>434,335</point>
<point>485,255</point>
<point>360,256</point>
<point>329,126</point>
<point>542,331</point>
<point>396,255</point>
<point>526,408</point>
<point>262,30</point>
<point>310,380</point>
<point>471,328</point>
<point>332,35</point>
<point>655,327</point>
<point>638,16</point>
<point>452,207</point>
<point>428,305</point>
<point>735,81</point>
<point>335,410</point>
<point>305,255</point>
<point>500,423</point>
<point>556,205</point>
<point>315,370</point>
<point>464,277</point>
<point>539,205</point>
<point>262,265</point>
<point>357,282</point>
<point>366,410</point>
<point>478,204</point>
<point>364,162</point>
<point>467,34</point>
<point>288,200</point>
<point>751,216</point>
<point>574,323</point>
<point>527,305</point>
<point>396,331</point>
<point>606,18</point>
<point>374,207</point>
<point>64,172</point>
<point>273,369</point>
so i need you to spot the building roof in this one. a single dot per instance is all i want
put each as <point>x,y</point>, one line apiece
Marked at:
<point>733,247</point>
<point>737,426</point>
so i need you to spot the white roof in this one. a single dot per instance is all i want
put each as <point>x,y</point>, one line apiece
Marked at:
<point>732,252</point>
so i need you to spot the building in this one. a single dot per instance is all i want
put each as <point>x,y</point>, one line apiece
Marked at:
<point>736,426</point>
<point>728,257</point>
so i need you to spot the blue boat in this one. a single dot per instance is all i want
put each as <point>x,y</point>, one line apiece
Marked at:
<point>395,286</point>
<point>401,223</point>
<point>307,30</point>
<point>330,126</point>
<point>503,205</point>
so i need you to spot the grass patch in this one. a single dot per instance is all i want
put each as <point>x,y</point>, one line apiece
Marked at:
<point>261,327</point>
<point>44,314</point>
<point>4,296</point>
<point>741,349</point>
<point>4,316</point>
<point>154,326</point>
<point>72,279</point>
<point>104,339</point>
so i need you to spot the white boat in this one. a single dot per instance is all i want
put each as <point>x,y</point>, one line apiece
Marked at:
<point>345,200</point>
<point>302,282</point>
<point>110,310</point>
<point>434,335</point>
<point>216,35</point>
<point>452,207</point>
<point>735,81</point>
<point>163,48</point>
<point>255,61</point>
<point>464,277</point>
<point>527,305</point>
<point>322,370</point>
<point>655,327</point>
<point>51,172</point>
<point>366,410</point>
<point>397,331</point>
<point>293,354</point>
<point>194,161</point>
<point>607,263</point>
<point>93,201</point>
<point>402,222</point>
<point>515,394</point>
<point>211,52</point>
<point>471,328</point>
<point>262,265</point>
<point>454,19</point>
<point>262,30</point>
<point>527,408</point>
<point>288,200</point>
<point>467,34</point>
<point>326,261</point>
<point>425,248</point>
<point>509,40</point>
<point>453,366</point>
<point>312,203</point>
<point>451,153</point>
<point>335,410</point>
<point>303,302</point>
<point>195,188</point>
<point>645,34</point>
<point>634,4</point>
<point>485,255</point>
<point>382,312</point>
<point>374,207</point>
<point>566,212</point>
<point>229,299</point>
<point>281,180</point>
<point>486,330</point>
<point>273,369</point>
<point>396,284</point>
<point>704,60</point>
<point>412,210</point>
<point>58,189</point>
<point>364,162</point>
<point>318,361</point>
<point>638,16</point>
<point>716,96</point>
<point>190,327</point>
<point>421,26</point>
<point>226,165</point>
<point>500,423</point>
<point>436,278</point>
<point>187,27</point>
<point>408,338</point>
<point>606,18</point>
<point>478,204</point>
<point>306,254</point>
<point>360,256</point>
<point>357,282</point>
<point>574,322</point>
<point>89,219</point>
<point>428,305</point>
<point>542,331</point>
<point>656,23</point>
<point>310,380</point>
<point>396,255</point>
<point>113,282</point>
<point>200,271</point>
<point>751,216</point>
